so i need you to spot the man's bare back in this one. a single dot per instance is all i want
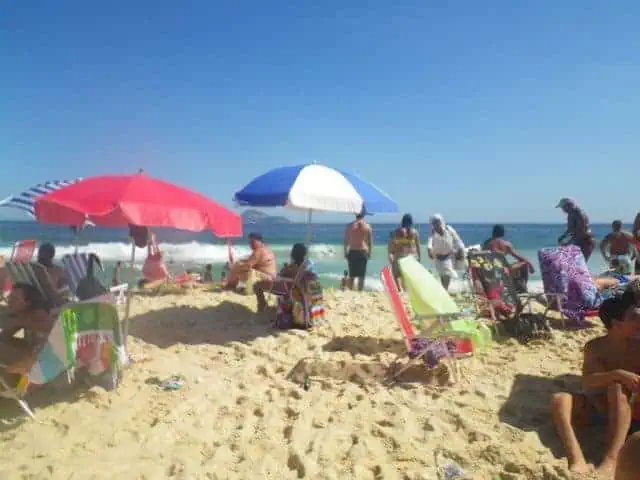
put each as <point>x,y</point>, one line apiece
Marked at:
<point>358,235</point>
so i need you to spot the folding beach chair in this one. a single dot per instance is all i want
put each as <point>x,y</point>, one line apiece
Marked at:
<point>566,278</point>
<point>22,252</point>
<point>84,335</point>
<point>300,301</point>
<point>36,275</point>
<point>444,332</point>
<point>76,267</point>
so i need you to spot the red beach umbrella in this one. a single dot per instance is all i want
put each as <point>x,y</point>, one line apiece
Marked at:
<point>122,200</point>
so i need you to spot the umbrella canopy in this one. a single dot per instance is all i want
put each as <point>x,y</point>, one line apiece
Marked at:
<point>121,200</point>
<point>315,187</point>
<point>25,201</point>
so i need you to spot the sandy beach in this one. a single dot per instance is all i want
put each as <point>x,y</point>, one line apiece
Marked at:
<point>243,412</point>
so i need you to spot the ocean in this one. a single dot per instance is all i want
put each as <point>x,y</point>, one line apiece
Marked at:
<point>184,250</point>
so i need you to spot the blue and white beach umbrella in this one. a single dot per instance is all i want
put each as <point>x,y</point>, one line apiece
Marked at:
<point>315,187</point>
<point>26,200</point>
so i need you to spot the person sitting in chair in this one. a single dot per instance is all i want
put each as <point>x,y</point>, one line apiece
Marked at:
<point>521,269</point>
<point>58,277</point>
<point>28,312</point>
<point>261,263</point>
<point>281,285</point>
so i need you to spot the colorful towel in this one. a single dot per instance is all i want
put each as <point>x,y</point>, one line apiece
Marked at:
<point>492,282</point>
<point>565,272</point>
<point>84,335</point>
<point>303,306</point>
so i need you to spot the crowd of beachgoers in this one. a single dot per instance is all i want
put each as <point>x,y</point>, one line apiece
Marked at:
<point>350,359</point>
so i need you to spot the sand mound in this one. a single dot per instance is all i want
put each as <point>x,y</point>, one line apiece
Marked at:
<point>243,411</point>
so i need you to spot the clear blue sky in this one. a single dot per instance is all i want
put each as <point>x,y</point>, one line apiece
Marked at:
<point>483,111</point>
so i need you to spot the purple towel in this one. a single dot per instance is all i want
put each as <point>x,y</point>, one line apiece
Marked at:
<point>565,272</point>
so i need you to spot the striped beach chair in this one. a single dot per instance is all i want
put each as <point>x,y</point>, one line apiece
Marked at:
<point>84,335</point>
<point>22,252</point>
<point>36,275</point>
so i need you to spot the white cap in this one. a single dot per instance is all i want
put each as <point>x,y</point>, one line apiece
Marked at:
<point>436,218</point>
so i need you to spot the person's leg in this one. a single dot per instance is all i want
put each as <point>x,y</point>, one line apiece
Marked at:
<point>587,247</point>
<point>628,464</point>
<point>350,265</point>
<point>619,413</point>
<point>445,280</point>
<point>259,288</point>
<point>564,408</point>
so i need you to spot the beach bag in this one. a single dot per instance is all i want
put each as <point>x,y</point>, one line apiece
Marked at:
<point>90,286</point>
<point>527,327</point>
<point>154,267</point>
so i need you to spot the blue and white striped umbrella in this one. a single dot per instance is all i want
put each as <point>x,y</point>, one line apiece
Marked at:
<point>315,187</point>
<point>26,200</point>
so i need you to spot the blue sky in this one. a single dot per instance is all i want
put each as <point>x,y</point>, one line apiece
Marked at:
<point>483,111</point>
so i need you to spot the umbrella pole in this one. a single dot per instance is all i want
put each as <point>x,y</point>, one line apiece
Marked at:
<point>132,278</point>
<point>308,232</point>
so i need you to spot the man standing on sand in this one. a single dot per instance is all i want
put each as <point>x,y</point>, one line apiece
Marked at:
<point>621,248</point>
<point>357,249</point>
<point>578,231</point>
<point>444,248</point>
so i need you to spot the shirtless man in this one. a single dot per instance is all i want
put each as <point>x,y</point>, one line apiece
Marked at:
<point>610,377</point>
<point>262,260</point>
<point>621,247</point>
<point>521,269</point>
<point>357,249</point>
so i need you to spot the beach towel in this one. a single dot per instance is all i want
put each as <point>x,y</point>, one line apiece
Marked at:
<point>565,273</point>
<point>492,283</point>
<point>303,305</point>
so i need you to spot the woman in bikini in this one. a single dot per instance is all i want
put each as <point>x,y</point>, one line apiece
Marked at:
<point>611,380</point>
<point>404,241</point>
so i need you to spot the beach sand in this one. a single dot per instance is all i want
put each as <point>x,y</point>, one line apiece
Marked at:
<point>243,412</point>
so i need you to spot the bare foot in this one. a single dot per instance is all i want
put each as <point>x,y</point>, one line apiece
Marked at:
<point>607,468</point>
<point>579,467</point>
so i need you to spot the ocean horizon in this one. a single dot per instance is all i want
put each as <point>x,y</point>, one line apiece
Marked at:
<point>187,250</point>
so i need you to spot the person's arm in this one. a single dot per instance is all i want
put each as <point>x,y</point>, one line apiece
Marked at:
<point>390,249</point>
<point>370,242</point>
<point>512,251</point>
<point>430,247</point>
<point>595,375</point>
<point>346,241</point>
<point>603,247</point>
<point>417,240</point>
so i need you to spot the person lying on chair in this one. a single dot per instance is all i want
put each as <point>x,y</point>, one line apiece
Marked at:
<point>282,283</point>
<point>28,312</point>
<point>610,372</point>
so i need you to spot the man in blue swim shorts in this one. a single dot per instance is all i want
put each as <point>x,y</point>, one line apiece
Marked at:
<point>611,381</point>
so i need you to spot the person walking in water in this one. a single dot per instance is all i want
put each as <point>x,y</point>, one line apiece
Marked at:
<point>578,230</point>
<point>403,241</point>
<point>621,247</point>
<point>358,240</point>
<point>444,246</point>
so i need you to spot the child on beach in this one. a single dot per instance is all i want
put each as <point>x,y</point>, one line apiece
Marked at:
<point>611,377</point>
<point>344,283</point>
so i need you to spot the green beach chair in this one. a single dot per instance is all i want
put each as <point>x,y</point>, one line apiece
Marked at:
<point>437,317</point>
<point>84,335</point>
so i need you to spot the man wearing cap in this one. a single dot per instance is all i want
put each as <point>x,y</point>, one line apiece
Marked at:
<point>443,247</point>
<point>357,249</point>
<point>578,231</point>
